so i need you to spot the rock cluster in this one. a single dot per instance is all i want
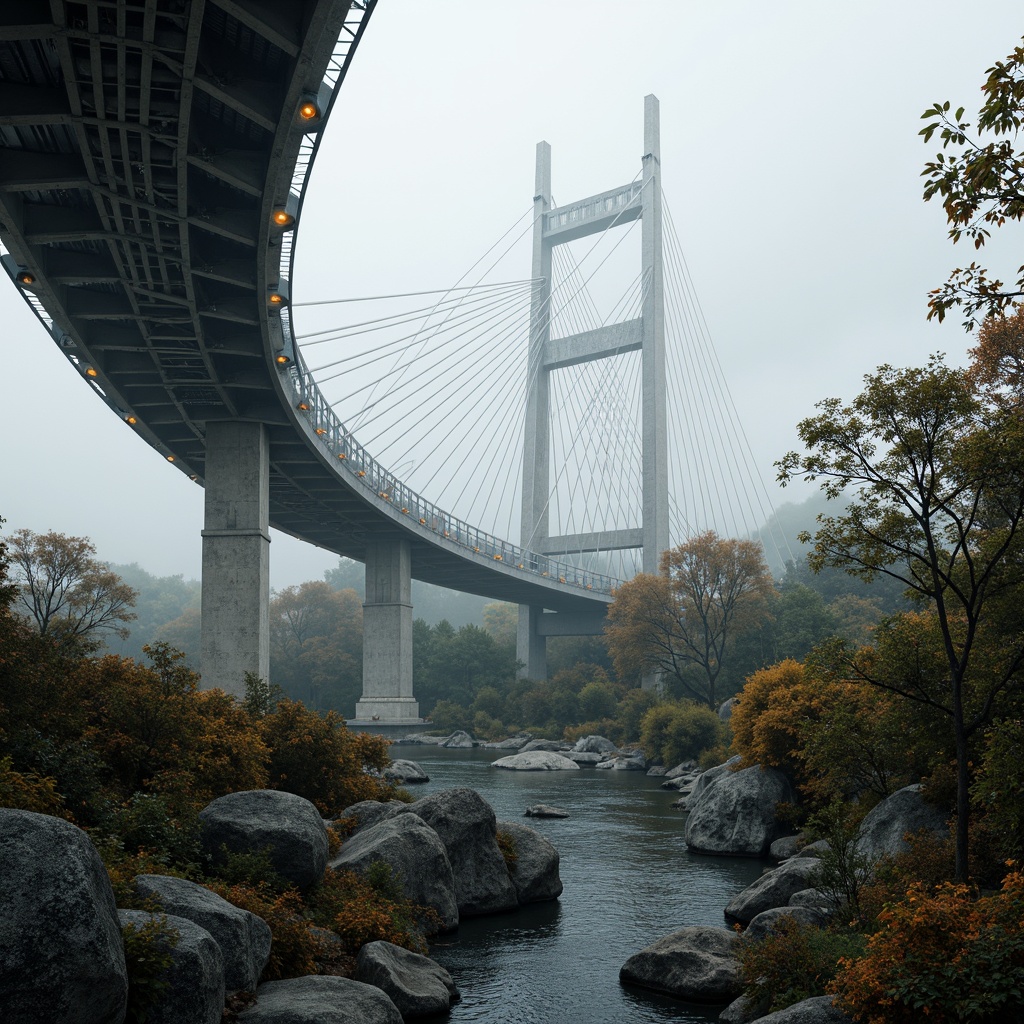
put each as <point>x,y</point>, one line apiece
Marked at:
<point>61,950</point>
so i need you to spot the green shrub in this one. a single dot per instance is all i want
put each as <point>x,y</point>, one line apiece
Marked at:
<point>842,870</point>
<point>676,732</point>
<point>147,956</point>
<point>795,962</point>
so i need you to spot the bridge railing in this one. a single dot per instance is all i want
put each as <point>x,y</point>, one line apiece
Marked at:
<point>349,454</point>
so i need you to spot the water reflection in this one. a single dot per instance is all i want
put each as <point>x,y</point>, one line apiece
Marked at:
<point>628,880</point>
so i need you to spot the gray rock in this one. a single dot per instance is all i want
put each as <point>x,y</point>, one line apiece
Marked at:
<point>818,1010</point>
<point>418,739</point>
<point>369,812</point>
<point>244,938</point>
<point>586,760</point>
<point>696,964</point>
<point>287,826</point>
<point>555,746</point>
<point>545,811</point>
<point>408,772</point>
<point>815,849</point>
<point>725,709</point>
<point>688,768</point>
<point>195,977</point>
<point>61,957</point>
<point>595,745</point>
<point>813,898</point>
<point>766,923</point>
<point>707,779</point>
<point>679,783</point>
<point>772,889</point>
<point>417,985</point>
<point>512,743</point>
<point>458,740</point>
<point>416,856</point>
<point>536,761</point>
<point>736,815</point>
<point>743,1010</point>
<point>535,870</point>
<point>317,999</point>
<point>621,763</point>
<point>882,830</point>
<point>465,824</point>
<point>657,772</point>
<point>786,847</point>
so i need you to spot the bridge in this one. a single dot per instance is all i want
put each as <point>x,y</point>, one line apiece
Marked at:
<point>153,164</point>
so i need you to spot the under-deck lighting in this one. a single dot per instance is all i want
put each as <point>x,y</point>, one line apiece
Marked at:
<point>130,420</point>
<point>308,110</point>
<point>321,431</point>
<point>26,278</point>
<point>303,406</point>
<point>282,360</point>
<point>91,371</point>
<point>170,458</point>
<point>283,219</point>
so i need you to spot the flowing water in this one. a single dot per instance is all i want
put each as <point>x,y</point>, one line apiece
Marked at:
<point>628,880</point>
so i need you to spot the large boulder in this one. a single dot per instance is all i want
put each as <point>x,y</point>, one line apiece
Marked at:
<point>536,761</point>
<point>585,759</point>
<point>416,856</point>
<point>696,964</point>
<point>818,1010</point>
<point>550,745</point>
<point>287,826</point>
<point>767,922</point>
<point>408,772</point>
<point>743,1010</point>
<point>625,763</point>
<point>736,815</point>
<point>535,868</point>
<point>465,824</point>
<point>319,999</point>
<point>545,811</point>
<point>883,828</point>
<point>61,957</point>
<point>369,812</point>
<point>195,978</point>
<point>458,740</point>
<point>773,889</point>
<point>512,743</point>
<point>707,779</point>
<point>595,745</point>
<point>725,709</point>
<point>244,938</point>
<point>417,985</point>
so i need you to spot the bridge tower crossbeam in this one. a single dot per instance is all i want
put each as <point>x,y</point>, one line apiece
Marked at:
<point>646,334</point>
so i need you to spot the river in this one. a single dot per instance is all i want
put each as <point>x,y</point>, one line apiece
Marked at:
<point>628,880</point>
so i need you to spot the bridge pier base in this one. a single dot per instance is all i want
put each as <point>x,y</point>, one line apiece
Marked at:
<point>387,636</point>
<point>235,617</point>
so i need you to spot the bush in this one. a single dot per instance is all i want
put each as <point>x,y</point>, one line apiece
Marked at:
<point>842,870</point>
<point>29,791</point>
<point>147,956</point>
<point>794,962</point>
<point>945,956</point>
<point>673,732</point>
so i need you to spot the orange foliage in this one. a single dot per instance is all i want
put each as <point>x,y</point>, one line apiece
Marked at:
<point>947,957</point>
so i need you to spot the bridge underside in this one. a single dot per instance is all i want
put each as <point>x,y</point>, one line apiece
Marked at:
<point>146,153</point>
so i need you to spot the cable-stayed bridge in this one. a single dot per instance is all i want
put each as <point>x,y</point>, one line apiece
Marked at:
<point>153,165</point>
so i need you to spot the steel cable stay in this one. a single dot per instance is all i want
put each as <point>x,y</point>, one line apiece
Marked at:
<point>486,313</point>
<point>362,328</point>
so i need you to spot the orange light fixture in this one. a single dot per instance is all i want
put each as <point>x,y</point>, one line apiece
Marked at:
<point>26,278</point>
<point>309,111</point>
<point>170,458</point>
<point>282,360</point>
<point>91,371</point>
<point>321,431</point>
<point>303,406</point>
<point>342,456</point>
<point>130,420</point>
<point>275,299</point>
<point>282,218</point>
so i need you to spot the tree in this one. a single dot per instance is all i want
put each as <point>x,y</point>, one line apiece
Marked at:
<point>981,185</point>
<point>71,596</point>
<point>683,622</point>
<point>932,462</point>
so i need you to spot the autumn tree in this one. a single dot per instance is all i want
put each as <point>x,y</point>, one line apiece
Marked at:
<point>72,597</point>
<point>979,177</point>
<point>684,621</point>
<point>932,465</point>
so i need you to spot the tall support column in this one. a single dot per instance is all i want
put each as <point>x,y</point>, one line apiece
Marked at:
<point>531,649</point>
<point>235,617</point>
<point>387,636</point>
<point>655,426</point>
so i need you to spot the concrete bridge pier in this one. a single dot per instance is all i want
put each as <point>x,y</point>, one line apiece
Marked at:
<point>536,625</point>
<point>387,637</point>
<point>235,617</point>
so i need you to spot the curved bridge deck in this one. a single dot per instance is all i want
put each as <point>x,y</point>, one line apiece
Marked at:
<point>149,153</point>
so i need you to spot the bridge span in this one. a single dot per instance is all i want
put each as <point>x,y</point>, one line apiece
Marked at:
<point>153,163</point>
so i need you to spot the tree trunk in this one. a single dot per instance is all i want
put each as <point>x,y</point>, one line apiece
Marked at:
<point>963,795</point>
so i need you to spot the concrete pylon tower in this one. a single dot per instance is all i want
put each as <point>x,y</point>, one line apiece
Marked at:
<point>646,334</point>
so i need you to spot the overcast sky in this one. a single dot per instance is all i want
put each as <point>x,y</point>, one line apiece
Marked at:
<point>790,158</point>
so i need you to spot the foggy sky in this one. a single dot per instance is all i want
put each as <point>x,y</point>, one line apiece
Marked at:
<point>790,158</point>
